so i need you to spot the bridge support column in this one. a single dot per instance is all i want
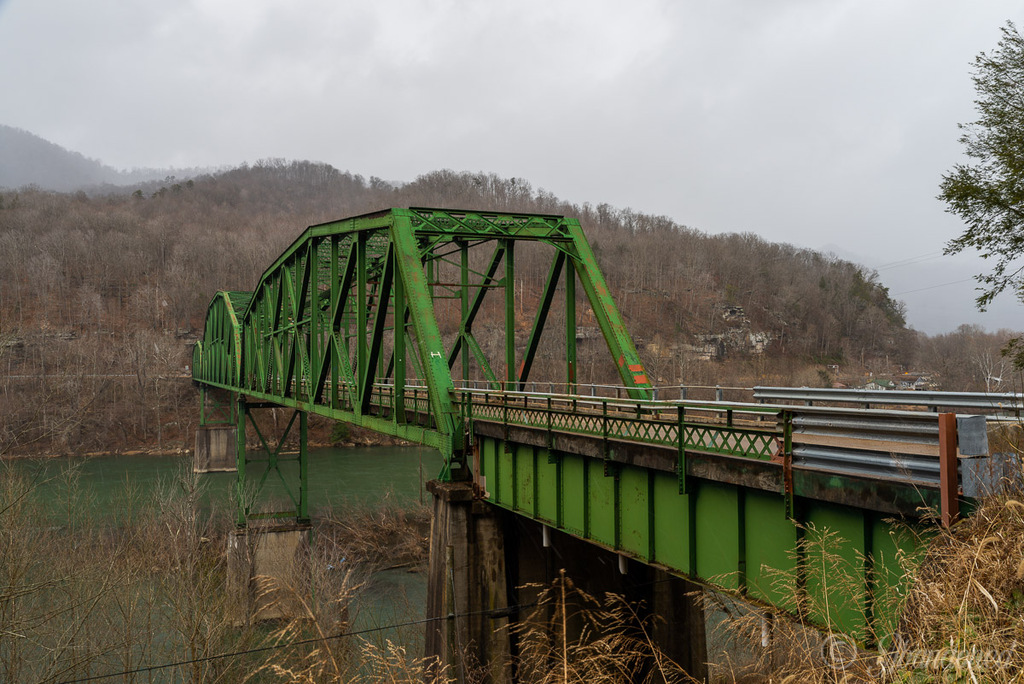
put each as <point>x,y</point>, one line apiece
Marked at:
<point>215,450</point>
<point>268,575</point>
<point>215,436</point>
<point>466,592</point>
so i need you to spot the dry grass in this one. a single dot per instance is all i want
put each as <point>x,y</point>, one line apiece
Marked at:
<point>328,652</point>
<point>572,636</point>
<point>961,616</point>
<point>966,607</point>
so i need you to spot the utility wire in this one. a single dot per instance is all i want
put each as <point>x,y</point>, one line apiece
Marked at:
<point>932,287</point>
<point>931,256</point>
<point>501,612</point>
<point>494,613</point>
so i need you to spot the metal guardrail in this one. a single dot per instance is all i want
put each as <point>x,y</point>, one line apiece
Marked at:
<point>899,445</point>
<point>659,393</point>
<point>1002,403</point>
<point>877,443</point>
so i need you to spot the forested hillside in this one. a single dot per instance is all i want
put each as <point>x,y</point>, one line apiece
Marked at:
<point>97,286</point>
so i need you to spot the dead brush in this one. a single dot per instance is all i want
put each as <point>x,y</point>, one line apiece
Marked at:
<point>960,611</point>
<point>316,648</point>
<point>965,610</point>
<point>572,636</point>
<point>333,661</point>
<point>384,536</point>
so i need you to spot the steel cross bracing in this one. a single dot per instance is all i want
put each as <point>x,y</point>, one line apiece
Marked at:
<point>353,304</point>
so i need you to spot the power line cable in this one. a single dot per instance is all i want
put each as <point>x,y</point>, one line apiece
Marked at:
<point>933,287</point>
<point>909,261</point>
<point>496,613</point>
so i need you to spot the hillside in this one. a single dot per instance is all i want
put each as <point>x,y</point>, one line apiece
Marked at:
<point>102,294</point>
<point>28,160</point>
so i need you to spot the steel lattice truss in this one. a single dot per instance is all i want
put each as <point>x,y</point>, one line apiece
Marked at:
<point>344,323</point>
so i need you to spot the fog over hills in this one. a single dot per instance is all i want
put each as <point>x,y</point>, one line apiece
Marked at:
<point>28,160</point>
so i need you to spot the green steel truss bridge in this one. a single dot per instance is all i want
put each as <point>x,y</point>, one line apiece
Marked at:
<point>347,324</point>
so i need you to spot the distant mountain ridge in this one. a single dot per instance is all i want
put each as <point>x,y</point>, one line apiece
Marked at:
<point>28,160</point>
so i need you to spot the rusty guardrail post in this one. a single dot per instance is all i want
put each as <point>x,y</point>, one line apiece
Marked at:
<point>787,462</point>
<point>949,501</point>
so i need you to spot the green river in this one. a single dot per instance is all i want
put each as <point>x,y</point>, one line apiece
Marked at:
<point>338,478</point>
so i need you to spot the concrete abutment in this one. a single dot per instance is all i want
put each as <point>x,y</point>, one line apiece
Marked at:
<point>467,591</point>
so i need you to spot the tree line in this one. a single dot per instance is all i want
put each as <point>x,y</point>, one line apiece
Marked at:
<point>102,294</point>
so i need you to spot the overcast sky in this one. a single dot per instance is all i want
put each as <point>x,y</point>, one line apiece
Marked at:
<point>822,123</point>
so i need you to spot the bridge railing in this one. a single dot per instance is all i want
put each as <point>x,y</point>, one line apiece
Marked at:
<point>666,393</point>
<point>878,443</point>
<point>746,430</point>
<point>889,444</point>
<point>1007,403</point>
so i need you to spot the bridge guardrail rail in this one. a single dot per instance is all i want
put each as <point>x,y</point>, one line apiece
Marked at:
<point>1008,403</point>
<point>902,445</point>
<point>875,443</point>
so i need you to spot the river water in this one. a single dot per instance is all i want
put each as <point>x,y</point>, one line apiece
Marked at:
<point>338,478</point>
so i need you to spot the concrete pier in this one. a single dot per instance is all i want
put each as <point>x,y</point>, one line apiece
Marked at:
<point>216,449</point>
<point>268,574</point>
<point>467,590</point>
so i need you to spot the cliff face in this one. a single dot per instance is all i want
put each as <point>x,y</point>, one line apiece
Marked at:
<point>738,338</point>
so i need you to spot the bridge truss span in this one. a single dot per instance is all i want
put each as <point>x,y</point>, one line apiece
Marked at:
<point>355,303</point>
<point>413,323</point>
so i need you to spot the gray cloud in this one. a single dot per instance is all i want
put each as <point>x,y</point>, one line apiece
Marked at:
<point>806,122</point>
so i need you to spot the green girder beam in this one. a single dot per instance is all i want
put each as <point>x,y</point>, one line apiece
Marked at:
<point>540,318</point>
<point>628,362</point>
<point>737,539</point>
